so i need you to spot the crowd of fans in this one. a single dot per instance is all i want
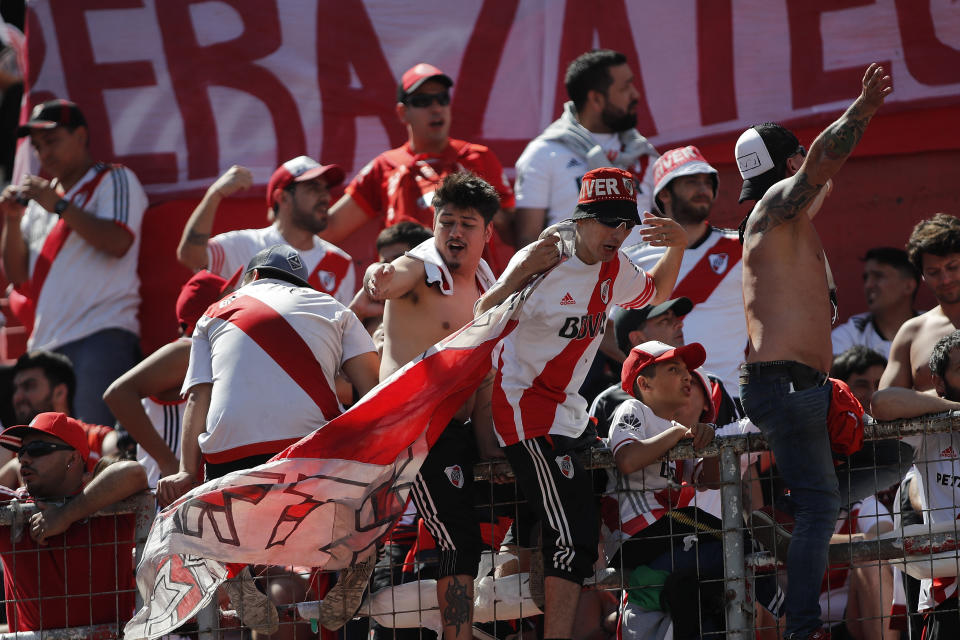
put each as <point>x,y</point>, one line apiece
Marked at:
<point>278,338</point>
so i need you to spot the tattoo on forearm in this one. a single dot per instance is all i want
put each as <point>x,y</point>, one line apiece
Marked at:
<point>457,611</point>
<point>785,205</point>
<point>842,136</point>
<point>197,238</point>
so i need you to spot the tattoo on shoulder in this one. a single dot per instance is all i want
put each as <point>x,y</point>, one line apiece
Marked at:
<point>197,238</point>
<point>457,612</point>
<point>784,205</point>
<point>842,136</point>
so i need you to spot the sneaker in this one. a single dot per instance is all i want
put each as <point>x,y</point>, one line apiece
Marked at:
<point>772,529</point>
<point>253,607</point>
<point>343,601</point>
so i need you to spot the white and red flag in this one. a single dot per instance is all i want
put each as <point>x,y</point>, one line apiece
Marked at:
<point>324,501</point>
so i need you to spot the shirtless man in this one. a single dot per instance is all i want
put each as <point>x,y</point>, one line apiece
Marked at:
<point>934,249</point>
<point>785,290</point>
<point>430,293</point>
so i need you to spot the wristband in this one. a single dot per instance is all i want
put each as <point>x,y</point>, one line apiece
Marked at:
<point>61,206</point>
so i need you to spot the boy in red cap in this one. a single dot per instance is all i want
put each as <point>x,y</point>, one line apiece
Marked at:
<point>63,570</point>
<point>540,418</point>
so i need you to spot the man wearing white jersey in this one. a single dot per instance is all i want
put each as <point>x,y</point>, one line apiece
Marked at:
<point>262,365</point>
<point>70,246</point>
<point>298,196</point>
<point>538,415</point>
<point>597,129</point>
<point>938,461</point>
<point>710,275</point>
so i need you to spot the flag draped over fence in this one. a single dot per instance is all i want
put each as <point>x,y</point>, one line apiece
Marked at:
<point>324,501</point>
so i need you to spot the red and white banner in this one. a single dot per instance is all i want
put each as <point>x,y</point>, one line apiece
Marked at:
<point>179,90</point>
<point>324,501</point>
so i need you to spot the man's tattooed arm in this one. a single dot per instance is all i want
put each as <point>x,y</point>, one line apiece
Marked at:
<point>783,205</point>
<point>842,136</point>
<point>457,612</point>
<point>197,238</point>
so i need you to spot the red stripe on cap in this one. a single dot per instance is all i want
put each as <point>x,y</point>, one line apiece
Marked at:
<point>280,340</point>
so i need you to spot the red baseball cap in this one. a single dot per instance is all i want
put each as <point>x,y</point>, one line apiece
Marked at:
<point>417,75</point>
<point>56,424</point>
<point>643,355</point>
<point>700,376</point>
<point>607,193</point>
<point>301,169</point>
<point>197,294</point>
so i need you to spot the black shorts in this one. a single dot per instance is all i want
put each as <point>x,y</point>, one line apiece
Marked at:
<point>443,493</point>
<point>559,490</point>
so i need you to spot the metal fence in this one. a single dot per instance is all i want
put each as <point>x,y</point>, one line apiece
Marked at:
<point>505,593</point>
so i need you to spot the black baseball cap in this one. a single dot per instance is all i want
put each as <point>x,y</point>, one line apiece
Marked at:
<point>762,153</point>
<point>280,261</point>
<point>627,320</point>
<point>52,114</point>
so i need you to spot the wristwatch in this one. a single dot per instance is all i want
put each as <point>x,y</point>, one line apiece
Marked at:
<point>61,206</point>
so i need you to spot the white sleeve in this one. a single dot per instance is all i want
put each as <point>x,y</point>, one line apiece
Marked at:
<point>200,369</point>
<point>843,337</point>
<point>628,425</point>
<point>355,339</point>
<point>534,180</point>
<point>228,252</point>
<point>634,287</point>
<point>119,197</point>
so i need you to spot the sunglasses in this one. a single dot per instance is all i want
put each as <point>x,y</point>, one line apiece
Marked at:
<point>617,224</point>
<point>39,448</point>
<point>423,100</point>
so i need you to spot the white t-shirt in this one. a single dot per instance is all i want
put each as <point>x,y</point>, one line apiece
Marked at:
<point>549,175</point>
<point>271,350</point>
<point>859,329</point>
<point>330,268</point>
<point>166,418</point>
<point>542,363</point>
<point>710,500</point>
<point>862,517</point>
<point>87,290</point>
<point>644,496</point>
<point>712,277</point>
<point>937,458</point>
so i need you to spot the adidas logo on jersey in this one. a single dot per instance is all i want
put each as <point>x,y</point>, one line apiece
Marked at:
<point>568,299</point>
<point>948,453</point>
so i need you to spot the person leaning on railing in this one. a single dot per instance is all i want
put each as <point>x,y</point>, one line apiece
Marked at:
<point>64,569</point>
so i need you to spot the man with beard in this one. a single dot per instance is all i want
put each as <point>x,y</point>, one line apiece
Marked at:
<point>430,293</point>
<point>298,196</point>
<point>685,187</point>
<point>934,250</point>
<point>597,129</point>
<point>788,304</point>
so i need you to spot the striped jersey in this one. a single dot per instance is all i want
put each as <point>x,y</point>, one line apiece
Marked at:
<point>166,418</point>
<point>330,268</point>
<point>712,277</point>
<point>87,290</point>
<point>543,362</point>
<point>271,350</point>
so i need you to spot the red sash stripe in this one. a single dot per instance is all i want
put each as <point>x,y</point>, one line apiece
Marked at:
<point>701,281</point>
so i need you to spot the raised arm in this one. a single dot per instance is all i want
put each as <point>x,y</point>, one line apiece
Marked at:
<point>784,201</point>
<point>118,481</point>
<point>664,232</point>
<point>538,258</point>
<point>192,250</point>
<point>161,371</point>
<point>388,280</point>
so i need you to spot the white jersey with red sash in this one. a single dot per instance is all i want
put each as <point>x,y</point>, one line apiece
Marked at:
<point>271,350</point>
<point>74,289</point>
<point>541,365</point>
<point>330,268</point>
<point>712,277</point>
<point>634,501</point>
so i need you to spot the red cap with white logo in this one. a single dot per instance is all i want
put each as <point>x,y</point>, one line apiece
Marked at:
<point>607,193</point>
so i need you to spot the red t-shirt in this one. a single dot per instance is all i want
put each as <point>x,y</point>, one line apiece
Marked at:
<point>82,577</point>
<point>398,185</point>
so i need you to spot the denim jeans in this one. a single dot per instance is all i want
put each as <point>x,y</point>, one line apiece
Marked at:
<point>98,360</point>
<point>794,423</point>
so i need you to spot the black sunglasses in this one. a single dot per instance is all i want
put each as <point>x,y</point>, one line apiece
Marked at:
<point>39,448</point>
<point>615,224</point>
<point>422,100</point>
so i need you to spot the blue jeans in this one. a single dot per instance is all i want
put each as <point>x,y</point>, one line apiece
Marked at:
<point>98,360</point>
<point>792,415</point>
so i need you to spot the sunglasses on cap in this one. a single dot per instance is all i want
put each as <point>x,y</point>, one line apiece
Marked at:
<point>423,100</point>
<point>616,223</point>
<point>39,448</point>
